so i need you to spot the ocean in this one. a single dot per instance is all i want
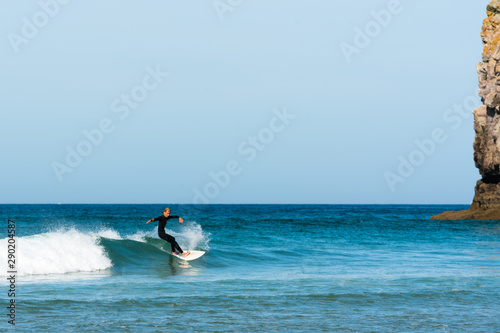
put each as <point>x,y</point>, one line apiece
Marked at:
<point>268,268</point>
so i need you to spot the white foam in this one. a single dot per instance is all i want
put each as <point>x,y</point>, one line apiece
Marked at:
<point>140,236</point>
<point>58,252</point>
<point>109,233</point>
<point>191,236</point>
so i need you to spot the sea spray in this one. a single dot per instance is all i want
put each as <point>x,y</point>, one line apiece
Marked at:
<point>60,252</point>
<point>141,235</point>
<point>191,236</point>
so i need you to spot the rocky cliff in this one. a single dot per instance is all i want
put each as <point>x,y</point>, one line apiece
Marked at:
<point>486,203</point>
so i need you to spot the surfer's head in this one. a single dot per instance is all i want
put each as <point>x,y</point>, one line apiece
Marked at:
<point>166,212</point>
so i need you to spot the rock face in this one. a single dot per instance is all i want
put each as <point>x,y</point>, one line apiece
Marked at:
<point>486,203</point>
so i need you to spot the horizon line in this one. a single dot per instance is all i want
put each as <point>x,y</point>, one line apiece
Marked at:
<point>211,204</point>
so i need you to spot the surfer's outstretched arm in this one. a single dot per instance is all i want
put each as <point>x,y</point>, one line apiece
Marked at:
<point>177,217</point>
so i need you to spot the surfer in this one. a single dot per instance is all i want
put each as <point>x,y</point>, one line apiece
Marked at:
<point>162,222</point>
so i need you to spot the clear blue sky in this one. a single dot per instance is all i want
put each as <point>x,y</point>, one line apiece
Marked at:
<point>264,90</point>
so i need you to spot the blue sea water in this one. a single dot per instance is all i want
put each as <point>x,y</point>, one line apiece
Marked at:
<point>272,268</point>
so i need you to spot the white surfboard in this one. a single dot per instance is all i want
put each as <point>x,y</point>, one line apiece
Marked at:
<point>192,255</point>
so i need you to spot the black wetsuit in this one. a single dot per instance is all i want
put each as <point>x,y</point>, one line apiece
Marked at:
<point>162,222</point>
